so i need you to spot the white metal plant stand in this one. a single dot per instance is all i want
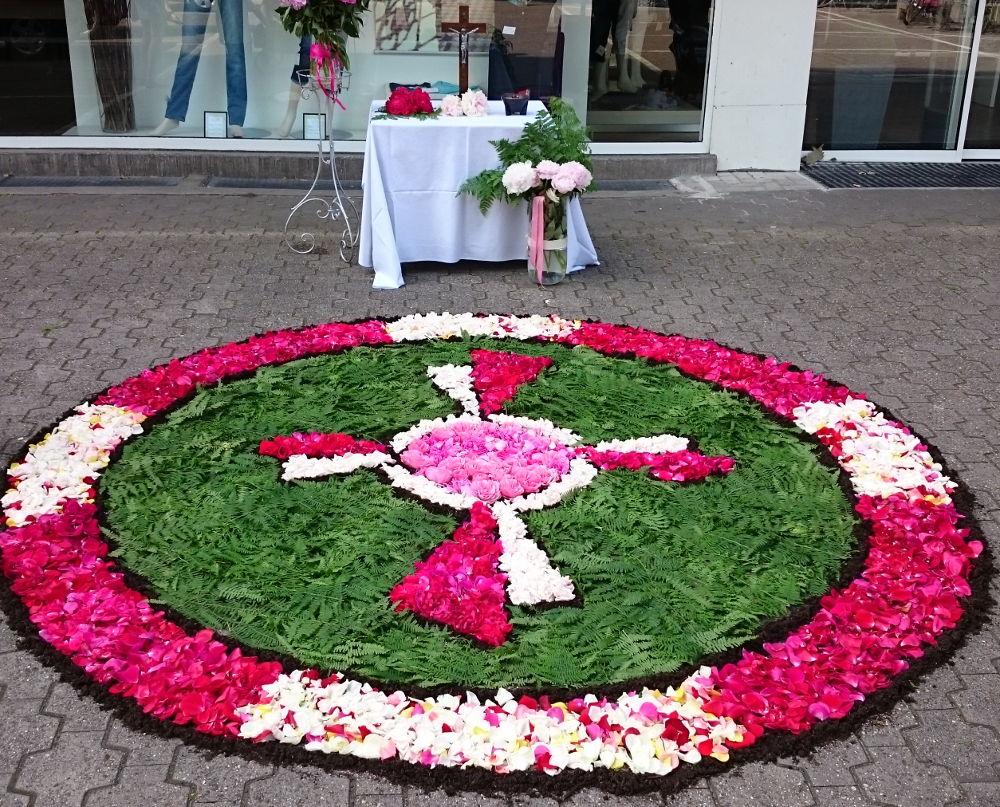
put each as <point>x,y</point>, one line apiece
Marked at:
<point>331,204</point>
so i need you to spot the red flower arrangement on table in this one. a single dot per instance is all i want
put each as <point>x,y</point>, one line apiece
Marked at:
<point>865,634</point>
<point>405,101</point>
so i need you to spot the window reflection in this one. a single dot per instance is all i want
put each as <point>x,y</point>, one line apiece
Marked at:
<point>648,64</point>
<point>984,113</point>
<point>158,67</point>
<point>36,90</point>
<point>888,75</point>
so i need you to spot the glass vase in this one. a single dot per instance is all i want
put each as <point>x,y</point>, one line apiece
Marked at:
<point>547,259</point>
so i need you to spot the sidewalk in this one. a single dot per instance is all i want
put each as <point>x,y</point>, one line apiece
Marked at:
<point>893,293</point>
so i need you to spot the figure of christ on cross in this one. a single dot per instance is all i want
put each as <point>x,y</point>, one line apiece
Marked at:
<point>463,28</point>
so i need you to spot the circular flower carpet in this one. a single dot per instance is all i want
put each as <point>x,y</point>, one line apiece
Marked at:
<point>527,550</point>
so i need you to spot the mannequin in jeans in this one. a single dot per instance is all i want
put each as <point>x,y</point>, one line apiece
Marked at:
<point>195,20</point>
<point>300,77</point>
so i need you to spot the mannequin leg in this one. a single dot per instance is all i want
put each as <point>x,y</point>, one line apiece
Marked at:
<point>299,80</point>
<point>294,95</point>
<point>620,34</point>
<point>599,71</point>
<point>232,18</point>
<point>601,22</point>
<point>636,41</point>
<point>194,22</point>
<point>165,126</point>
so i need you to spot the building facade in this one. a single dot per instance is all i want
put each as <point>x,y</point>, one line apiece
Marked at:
<point>753,84</point>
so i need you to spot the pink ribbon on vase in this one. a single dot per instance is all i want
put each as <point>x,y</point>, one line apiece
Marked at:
<point>536,238</point>
<point>325,66</point>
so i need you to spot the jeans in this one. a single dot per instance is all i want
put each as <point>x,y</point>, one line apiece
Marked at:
<point>300,73</point>
<point>195,21</point>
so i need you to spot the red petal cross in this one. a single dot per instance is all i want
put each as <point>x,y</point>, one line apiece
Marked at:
<point>670,466</point>
<point>317,444</point>
<point>460,584</point>
<point>497,376</point>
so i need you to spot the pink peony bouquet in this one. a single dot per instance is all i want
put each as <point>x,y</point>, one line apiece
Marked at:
<point>523,178</point>
<point>551,159</point>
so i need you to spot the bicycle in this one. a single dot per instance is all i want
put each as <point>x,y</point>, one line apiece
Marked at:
<point>916,8</point>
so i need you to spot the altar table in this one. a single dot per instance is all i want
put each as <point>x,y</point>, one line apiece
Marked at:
<point>412,171</point>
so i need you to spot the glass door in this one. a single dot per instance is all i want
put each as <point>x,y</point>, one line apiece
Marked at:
<point>889,74</point>
<point>647,65</point>
<point>983,130</point>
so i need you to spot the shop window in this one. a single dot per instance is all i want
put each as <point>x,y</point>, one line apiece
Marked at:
<point>36,90</point>
<point>888,74</point>
<point>197,68</point>
<point>648,68</point>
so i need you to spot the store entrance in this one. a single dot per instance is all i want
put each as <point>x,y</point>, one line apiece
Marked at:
<point>905,80</point>
<point>647,68</point>
<point>888,76</point>
<point>983,131</point>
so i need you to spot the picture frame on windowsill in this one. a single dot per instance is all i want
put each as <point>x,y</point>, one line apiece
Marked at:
<point>314,126</point>
<point>216,124</point>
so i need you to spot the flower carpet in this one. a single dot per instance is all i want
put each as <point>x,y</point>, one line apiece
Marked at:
<point>511,550</point>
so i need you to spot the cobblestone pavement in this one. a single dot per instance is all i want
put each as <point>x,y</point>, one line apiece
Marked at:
<point>894,293</point>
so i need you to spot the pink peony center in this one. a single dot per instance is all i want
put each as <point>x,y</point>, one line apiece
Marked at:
<point>487,460</point>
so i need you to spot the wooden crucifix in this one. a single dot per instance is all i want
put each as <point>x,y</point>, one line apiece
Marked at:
<point>463,28</point>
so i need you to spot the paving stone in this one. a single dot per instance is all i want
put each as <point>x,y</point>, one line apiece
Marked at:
<point>830,764</point>
<point>692,797</point>
<point>26,730</point>
<point>78,712</point>
<point>896,778</point>
<point>141,785</point>
<point>438,798</point>
<point>980,794</point>
<point>761,785</point>
<point>8,639</point>
<point>979,701</point>
<point>886,729</point>
<point>63,775</point>
<point>933,690</point>
<point>299,785</point>
<point>365,784</point>
<point>840,797</point>
<point>218,777</point>
<point>378,801</point>
<point>24,677</point>
<point>979,655</point>
<point>944,738</point>
<point>143,748</point>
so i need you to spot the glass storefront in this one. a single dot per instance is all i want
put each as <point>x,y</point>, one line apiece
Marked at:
<point>217,68</point>
<point>889,75</point>
<point>893,75</point>
<point>36,90</point>
<point>648,66</point>
<point>984,108</point>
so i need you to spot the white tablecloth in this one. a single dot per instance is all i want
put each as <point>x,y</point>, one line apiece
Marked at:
<point>413,169</point>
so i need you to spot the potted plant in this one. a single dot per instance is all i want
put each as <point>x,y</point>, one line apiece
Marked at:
<point>547,166</point>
